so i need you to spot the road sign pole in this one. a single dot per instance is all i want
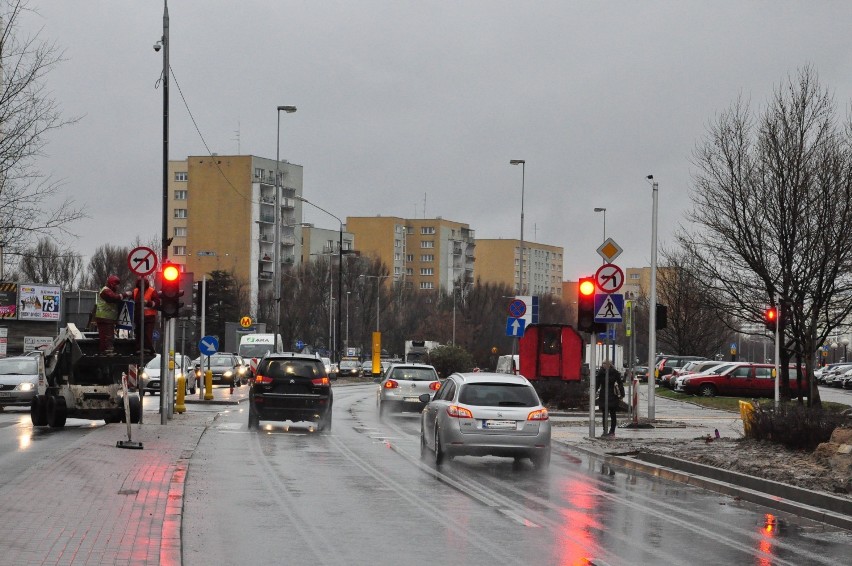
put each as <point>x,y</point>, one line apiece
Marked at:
<point>593,346</point>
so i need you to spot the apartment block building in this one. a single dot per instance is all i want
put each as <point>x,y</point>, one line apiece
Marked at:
<point>221,216</point>
<point>499,261</point>
<point>423,253</point>
<point>322,241</point>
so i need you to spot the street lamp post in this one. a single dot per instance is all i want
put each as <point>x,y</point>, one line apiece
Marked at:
<point>346,342</point>
<point>339,263</point>
<point>523,164</point>
<point>378,279</point>
<point>845,342</point>
<point>652,307</point>
<point>604,219</point>
<point>276,274</point>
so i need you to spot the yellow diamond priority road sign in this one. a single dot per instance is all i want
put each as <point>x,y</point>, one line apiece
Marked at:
<point>609,250</point>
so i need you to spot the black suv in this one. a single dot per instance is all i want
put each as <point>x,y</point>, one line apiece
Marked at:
<point>292,387</point>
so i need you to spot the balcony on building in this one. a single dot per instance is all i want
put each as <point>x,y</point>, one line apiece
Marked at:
<point>268,218</point>
<point>264,275</point>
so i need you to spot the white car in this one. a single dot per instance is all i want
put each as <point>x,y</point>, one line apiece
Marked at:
<point>150,377</point>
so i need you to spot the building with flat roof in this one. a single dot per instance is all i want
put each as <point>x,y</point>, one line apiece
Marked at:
<point>221,216</point>
<point>422,253</point>
<point>499,261</point>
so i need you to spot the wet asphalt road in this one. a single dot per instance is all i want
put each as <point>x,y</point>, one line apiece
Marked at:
<point>360,494</point>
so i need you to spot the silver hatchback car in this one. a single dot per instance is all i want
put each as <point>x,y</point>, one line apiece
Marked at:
<point>482,414</point>
<point>402,386</point>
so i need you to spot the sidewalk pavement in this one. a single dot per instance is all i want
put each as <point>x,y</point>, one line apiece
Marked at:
<point>97,504</point>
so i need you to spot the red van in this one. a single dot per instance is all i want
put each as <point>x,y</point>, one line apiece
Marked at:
<point>741,380</point>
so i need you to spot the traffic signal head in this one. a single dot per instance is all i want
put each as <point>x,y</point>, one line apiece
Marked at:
<point>662,317</point>
<point>770,319</point>
<point>586,304</point>
<point>170,291</point>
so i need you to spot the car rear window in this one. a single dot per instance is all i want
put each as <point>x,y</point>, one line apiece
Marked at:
<point>498,395</point>
<point>414,374</point>
<point>291,368</point>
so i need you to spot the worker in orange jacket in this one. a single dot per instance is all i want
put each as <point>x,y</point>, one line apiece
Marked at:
<point>149,306</point>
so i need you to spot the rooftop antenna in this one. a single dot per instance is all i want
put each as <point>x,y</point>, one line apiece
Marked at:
<point>424,206</point>
<point>238,137</point>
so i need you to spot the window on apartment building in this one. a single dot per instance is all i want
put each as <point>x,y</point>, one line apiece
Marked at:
<point>427,285</point>
<point>397,256</point>
<point>427,257</point>
<point>180,232</point>
<point>397,271</point>
<point>409,257</point>
<point>181,176</point>
<point>409,271</point>
<point>634,276</point>
<point>427,244</point>
<point>179,250</point>
<point>180,195</point>
<point>427,271</point>
<point>397,243</point>
<point>427,230</point>
<point>180,213</point>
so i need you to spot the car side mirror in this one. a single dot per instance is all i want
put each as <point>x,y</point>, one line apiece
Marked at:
<point>425,398</point>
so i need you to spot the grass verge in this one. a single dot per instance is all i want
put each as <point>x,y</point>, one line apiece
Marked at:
<point>729,403</point>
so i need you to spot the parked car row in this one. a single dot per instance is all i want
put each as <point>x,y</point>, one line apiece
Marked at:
<point>741,379</point>
<point>666,365</point>
<point>835,375</point>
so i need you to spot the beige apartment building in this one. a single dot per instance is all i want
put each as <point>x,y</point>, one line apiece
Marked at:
<point>423,253</point>
<point>499,261</point>
<point>221,216</point>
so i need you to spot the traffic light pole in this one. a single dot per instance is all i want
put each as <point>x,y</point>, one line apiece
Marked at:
<point>777,352</point>
<point>593,346</point>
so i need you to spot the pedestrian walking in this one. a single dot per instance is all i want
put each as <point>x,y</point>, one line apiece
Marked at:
<point>106,313</point>
<point>609,391</point>
<point>151,300</point>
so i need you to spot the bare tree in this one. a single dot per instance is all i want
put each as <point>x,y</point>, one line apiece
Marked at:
<point>695,323</point>
<point>45,262</point>
<point>773,216</point>
<point>108,260</point>
<point>27,114</point>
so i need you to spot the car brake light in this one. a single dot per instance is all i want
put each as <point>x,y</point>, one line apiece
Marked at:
<point>262,379</point>
<point>539,415</point>
<point>435,385</point>
<point>459,412</point>
<point>391,384</point>
<point>320,381</point>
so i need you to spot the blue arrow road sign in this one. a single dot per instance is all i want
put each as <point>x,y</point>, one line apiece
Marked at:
<point>208,345</point>
<point>515,326</point>
<point>609,307</point>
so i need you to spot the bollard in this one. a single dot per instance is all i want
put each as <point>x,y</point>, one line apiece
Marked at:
<point>635,400</point>
<point>208,385</point>
<point>180,407</point>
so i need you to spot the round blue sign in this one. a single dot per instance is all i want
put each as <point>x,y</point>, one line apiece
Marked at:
<point>208,345</point>
<point>299,344</point>
<point>517,308</point>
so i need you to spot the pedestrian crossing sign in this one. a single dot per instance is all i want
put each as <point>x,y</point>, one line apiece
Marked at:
<point>609,307</point>
<point>125,316</point>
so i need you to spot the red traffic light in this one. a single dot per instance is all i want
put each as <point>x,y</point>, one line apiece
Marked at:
<point>170,272</point>
<point>586,286</point>
<point>770,318</point>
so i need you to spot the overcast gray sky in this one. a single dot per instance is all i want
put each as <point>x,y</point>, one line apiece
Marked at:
<point>403,105</point>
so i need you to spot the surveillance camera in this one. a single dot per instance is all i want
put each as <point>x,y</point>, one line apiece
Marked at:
<point>158,46</point>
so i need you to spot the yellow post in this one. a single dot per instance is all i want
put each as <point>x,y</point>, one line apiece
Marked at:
<point>180,407</point>
<point>208,385</point>
<point>747,415</point>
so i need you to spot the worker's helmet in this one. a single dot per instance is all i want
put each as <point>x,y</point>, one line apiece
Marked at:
<point>113,281</point>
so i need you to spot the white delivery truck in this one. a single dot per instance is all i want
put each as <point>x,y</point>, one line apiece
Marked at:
<point>253,347</point>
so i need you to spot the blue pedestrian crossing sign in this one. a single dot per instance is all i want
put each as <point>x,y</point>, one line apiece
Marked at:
<point>515,326</point>
<point>609,307</point>
<point>125,316</point>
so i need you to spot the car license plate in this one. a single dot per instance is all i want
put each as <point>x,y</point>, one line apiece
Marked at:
<point>5,394</point>
<point>499,425</point>
<point>412,399</point>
